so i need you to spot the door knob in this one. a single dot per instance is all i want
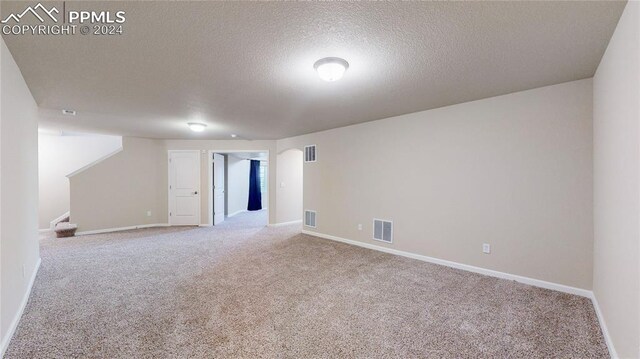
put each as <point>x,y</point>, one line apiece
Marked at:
<point>196,192</point>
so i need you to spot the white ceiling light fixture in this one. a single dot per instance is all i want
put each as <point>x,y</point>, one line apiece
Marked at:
<point>331,69</point>
<point>234,135</point>
<point>196,126</point>
<point>68,112</point>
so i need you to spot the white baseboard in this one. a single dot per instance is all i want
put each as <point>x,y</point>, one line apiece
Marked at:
<point>108,230</point>
<point>46,230</point>
<point>285,223</point>
<point>205,225</point>
<point>16,319</point>
<point>236,212</point>
<point>525,280</point>
<point>603,327</point>
<point>469,268</point>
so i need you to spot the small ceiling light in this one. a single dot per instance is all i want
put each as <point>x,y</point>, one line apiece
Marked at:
<point>68,112</point>
<point>234,135</point>
<point>197,127</point>
<point>331,68</point>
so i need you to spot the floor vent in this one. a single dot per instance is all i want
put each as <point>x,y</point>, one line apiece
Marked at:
<point>383,230</point>
<point>310,218</point>
<point>310,153</point>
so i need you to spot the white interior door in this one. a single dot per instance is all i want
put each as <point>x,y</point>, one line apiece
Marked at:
<point>184,187</point>
<point>218,188</point>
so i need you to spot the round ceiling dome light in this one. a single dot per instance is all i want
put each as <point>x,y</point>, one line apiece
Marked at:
<point>196,126</point>
<point>331,68</point>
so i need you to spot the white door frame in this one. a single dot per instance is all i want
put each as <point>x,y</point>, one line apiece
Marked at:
<point>169,184</point>
<point>217,170</point>
<point>210,182</point>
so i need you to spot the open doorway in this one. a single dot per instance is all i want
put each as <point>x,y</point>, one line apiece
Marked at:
<point>239,187</point>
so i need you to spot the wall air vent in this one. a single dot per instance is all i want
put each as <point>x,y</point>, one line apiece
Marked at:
<point>310,218</point>
<point>310,153</point>
<point>383,230</point>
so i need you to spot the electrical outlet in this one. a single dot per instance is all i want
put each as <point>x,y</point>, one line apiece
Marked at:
<point>24,271</point>
<point>281,184</point>
<point>359,227</point>
<point>486,248</point>
<point>148,213</point>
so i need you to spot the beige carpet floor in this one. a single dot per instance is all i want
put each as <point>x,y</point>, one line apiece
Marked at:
<point>242,290</point>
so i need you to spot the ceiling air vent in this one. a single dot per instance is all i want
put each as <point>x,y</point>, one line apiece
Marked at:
<point>383,230</point>
<point>310,218</point>
<point>310,153</point>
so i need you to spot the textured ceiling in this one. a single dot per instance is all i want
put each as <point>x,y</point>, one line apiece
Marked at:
<point>247,68</point>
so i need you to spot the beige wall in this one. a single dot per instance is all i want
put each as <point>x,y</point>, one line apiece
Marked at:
<point>514,171</point>
<point>59,156</point>
<point>237,184</point>
<point>289,186</point>
<point>119,191</point>
<point>19,252</point>
<point>616,114</point>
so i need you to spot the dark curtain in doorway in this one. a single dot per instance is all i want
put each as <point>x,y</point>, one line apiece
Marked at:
<point>255,196</point>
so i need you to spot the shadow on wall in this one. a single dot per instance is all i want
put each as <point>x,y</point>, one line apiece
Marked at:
<point>59,155</point>
<point>289,186</point>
